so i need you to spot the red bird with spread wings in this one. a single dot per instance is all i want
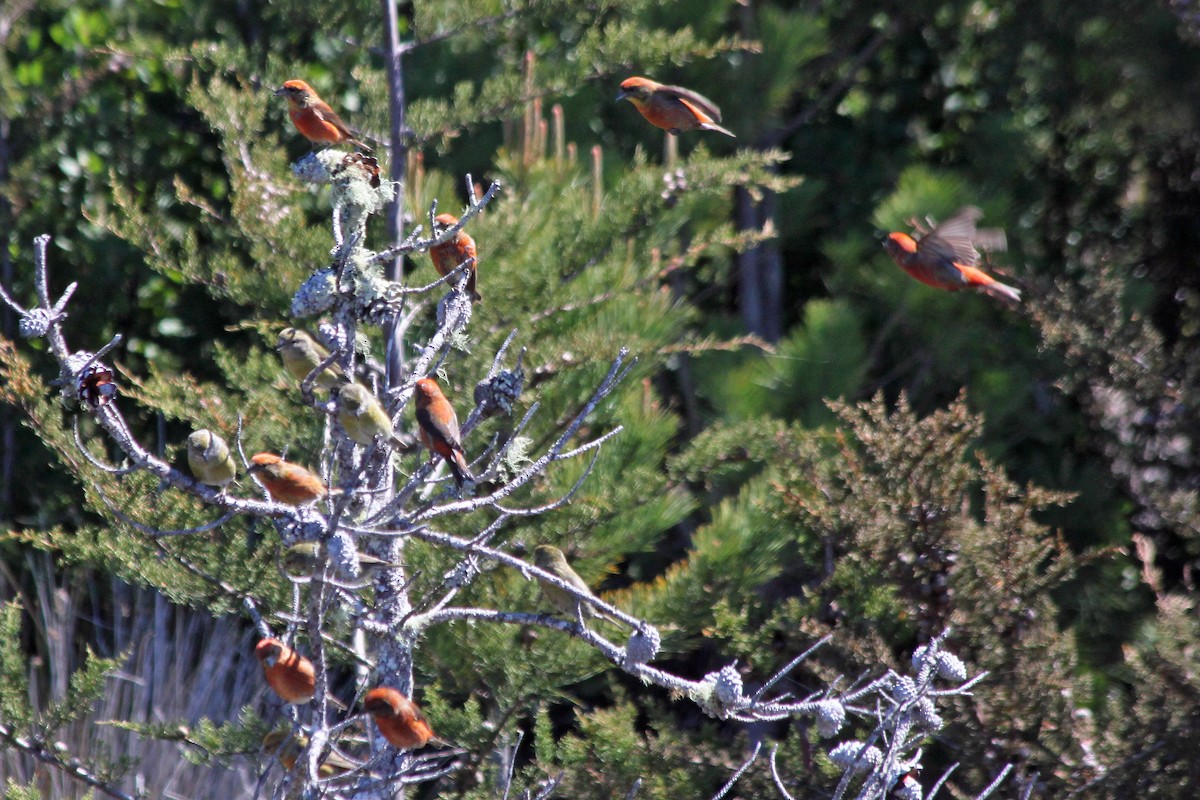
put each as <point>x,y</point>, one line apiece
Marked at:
<point>672,108</point>
<point>945,257</point>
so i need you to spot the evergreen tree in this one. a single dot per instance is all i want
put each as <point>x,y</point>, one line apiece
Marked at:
<point>696,375</point>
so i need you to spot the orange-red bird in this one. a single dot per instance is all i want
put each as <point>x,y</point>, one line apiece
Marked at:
<point>946,258</point>
<point>313,117</point>
<point>398,718</point>
<point>449,255</point>
<point>286,482</point>
<point>439,428</point>
<point>290,674</point>
<point>672,108</point>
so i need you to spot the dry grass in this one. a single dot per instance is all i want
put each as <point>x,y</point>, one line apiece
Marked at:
<point>183,665</point>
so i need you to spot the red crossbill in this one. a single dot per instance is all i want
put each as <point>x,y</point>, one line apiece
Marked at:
<point>287,483</point>
<point>313,117</point>
<point>302,353</point>
<point>672,108</point>
<point>290,674</point>
<point>398,718</point>
<point>448,256</point>
<point>209,458</point>
<point>946,258</point>
<point>438,427</point>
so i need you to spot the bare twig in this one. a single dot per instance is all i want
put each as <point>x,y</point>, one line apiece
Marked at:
<point>733,779</point>
<point>775,776</point>
<point>95,462</point>
<point>795,662</point>
<point>942,780</point>
<point>994,785</point>
<point>411,245</point>
<point>71,766</point>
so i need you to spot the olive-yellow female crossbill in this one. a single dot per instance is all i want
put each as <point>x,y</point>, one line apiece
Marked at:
<point>209,458</point>
<point>438,428</point>
<point>304,558</point>
<point>946,258</point>
<point>672,108</point>
<point>552,560</point>
<point>362,416</point>
<point>290,674</point>
<point>398,718</point>
<point>286,746</point>
<point>302,353</point>
<point>449,256</point>
<point>313,117</point>
<point>287,483</point>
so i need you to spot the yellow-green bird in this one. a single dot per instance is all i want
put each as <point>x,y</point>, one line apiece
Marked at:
<point>302,559</point>
<point>362,416</point>
<point>551,559</point>
<point>286,746</point>
<point>302,353</point>
<point>209,459</point>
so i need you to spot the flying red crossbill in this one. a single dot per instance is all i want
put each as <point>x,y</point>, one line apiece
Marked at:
<point>302,353</point>
<point>672,108</point>
<point>362,417</point>
<point>398,718</point>
<point>448,256</point>
<point>438,426</point>
<point>313,117</point>
<point>290,674</point>
<point>287,483</point>
<point>209,458</point>
<point>946,258</point>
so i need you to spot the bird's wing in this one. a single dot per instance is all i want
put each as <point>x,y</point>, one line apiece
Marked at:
<point>992,240</point>
<point>697,103</point>
<point>447,433</point>
<point>327,114</point>
<point>954,238</point>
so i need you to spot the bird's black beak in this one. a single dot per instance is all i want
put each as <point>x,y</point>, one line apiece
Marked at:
<point>281,90</point>
<point>622,95</point>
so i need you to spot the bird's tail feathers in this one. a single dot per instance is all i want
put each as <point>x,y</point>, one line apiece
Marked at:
<point>1009,295</point>
<point>712,126</point>
<point>460,470</point>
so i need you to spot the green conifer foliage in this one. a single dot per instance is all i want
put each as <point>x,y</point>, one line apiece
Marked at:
<point>693,370</point>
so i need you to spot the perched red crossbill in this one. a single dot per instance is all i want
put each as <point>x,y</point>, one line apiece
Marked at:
<point>398,718</point>
<point>313,117</point>
<point>290,674</point>
<point>672,108</point>
<point>448,256</point>
<point>946,258</point>
<point>438,427</point>
<point>287,483</point>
